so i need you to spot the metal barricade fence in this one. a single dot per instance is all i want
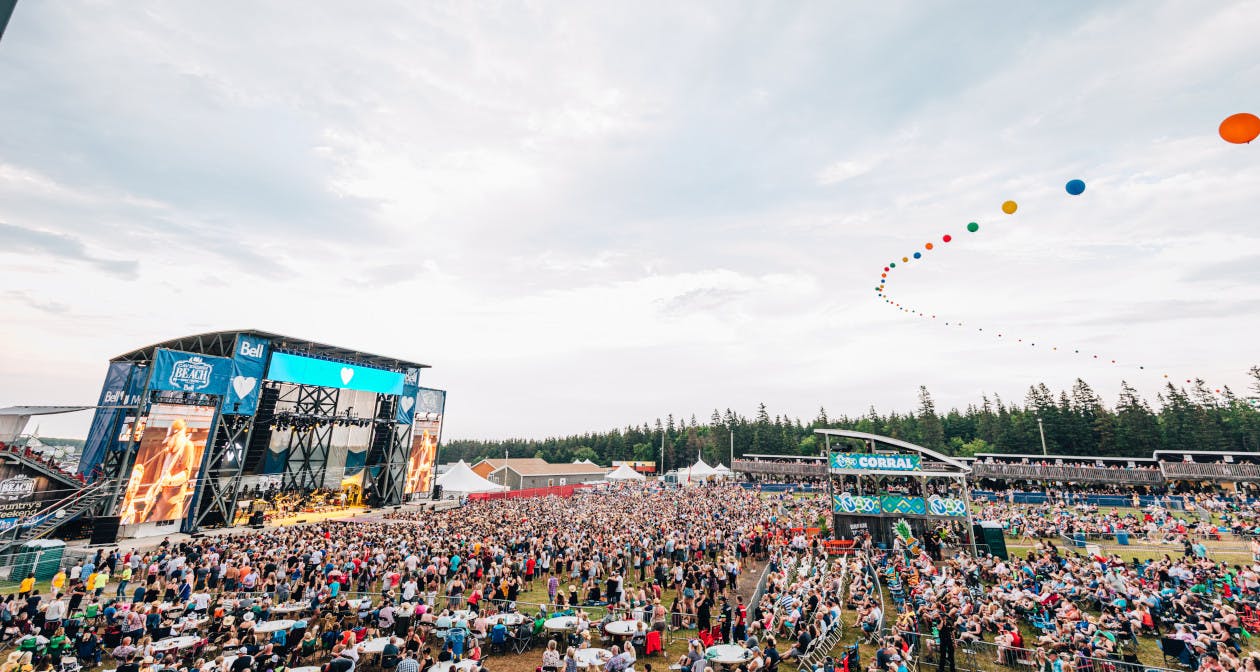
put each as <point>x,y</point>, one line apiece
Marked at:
<point>982,656</point>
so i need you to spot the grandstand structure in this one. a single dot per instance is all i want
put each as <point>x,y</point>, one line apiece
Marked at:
<point>1164,469</point>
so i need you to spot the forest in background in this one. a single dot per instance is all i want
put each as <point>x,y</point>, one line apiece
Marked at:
<point>1076,422</point>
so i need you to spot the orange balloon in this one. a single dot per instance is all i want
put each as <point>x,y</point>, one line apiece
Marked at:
<point>928,246</point>
<point>1240,128</point>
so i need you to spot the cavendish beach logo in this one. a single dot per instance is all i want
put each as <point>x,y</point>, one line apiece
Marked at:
<point>191,375</point>
<point>18,487</point>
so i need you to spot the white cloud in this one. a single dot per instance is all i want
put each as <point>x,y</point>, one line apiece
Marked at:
<point>584,217</point>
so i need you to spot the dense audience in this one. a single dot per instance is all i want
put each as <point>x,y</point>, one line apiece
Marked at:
<point>418,589</point>
<point>415,591</point>
<point>1072,611</point>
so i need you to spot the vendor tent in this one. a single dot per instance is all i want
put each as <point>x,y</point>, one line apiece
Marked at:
<point>701,471</point>
<point>624,473</point>
<point>462,480</point>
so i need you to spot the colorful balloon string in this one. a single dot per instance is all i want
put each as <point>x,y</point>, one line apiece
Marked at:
<point>1073,187</point>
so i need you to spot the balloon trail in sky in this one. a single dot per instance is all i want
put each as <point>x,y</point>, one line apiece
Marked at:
<point>1238,133</point>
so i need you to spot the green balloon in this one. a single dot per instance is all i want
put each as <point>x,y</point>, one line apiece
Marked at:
<point>892,265</point>
<point>973,227</point>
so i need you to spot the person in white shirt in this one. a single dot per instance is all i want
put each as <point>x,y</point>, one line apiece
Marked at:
<point>56,610</point>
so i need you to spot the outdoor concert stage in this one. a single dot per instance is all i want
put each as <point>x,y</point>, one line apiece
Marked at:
<point>892,489</point>
<point>190,433</point>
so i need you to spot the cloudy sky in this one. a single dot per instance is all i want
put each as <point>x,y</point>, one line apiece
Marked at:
<point>588,214</point>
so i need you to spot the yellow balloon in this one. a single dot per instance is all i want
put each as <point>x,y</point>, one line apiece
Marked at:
<point>1009,207</point>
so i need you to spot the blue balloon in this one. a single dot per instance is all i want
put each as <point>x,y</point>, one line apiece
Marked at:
<point>1076,187</point>
<point>917,255</point>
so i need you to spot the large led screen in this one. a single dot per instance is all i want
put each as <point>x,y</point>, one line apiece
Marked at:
<point>323,373</point>
<point>426,432</point>
<point>164,479</point>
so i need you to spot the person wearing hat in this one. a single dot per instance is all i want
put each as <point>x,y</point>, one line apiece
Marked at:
<point>243,661</point>
<point>1050,662</point>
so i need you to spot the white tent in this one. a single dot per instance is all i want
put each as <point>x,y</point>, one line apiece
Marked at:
<point>700,470</point>
<point>624,473</point>
<point>723,472</point>
<point>461,479</point>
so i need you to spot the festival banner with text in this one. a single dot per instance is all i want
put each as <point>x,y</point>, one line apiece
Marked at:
<point>185,372</point>
<point>875,462</point>
<point>249,359</point>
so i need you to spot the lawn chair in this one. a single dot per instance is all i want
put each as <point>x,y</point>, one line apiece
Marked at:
<point>520,640</point>
<point>653,644</point>
<point>1174,650</point>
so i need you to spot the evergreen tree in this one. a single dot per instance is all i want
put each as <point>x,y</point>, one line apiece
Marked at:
<point>931,430</point>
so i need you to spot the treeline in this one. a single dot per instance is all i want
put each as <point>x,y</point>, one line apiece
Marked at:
<point>1075,422</point>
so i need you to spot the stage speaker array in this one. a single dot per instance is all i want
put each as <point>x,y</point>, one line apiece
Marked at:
<point>104,530</point>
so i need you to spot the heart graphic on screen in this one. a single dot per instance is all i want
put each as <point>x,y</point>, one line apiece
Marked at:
<point>346,374</point>
<point>407,403</point>
<point>243,386</point>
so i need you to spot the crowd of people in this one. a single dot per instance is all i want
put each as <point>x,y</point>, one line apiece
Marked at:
<point>43,459</point>
<point>415,591</point>
<point>434,582</point>
<point>1063,610</point>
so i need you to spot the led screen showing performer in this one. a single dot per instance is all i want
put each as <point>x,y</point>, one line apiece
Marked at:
<point>426,432</point>
<point>164,478</point>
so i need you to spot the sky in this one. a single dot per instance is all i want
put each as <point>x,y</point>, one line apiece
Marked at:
<point>584,215</point>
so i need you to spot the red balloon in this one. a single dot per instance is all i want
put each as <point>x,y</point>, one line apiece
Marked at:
<point>947,238</point>
<point>1240,128</point>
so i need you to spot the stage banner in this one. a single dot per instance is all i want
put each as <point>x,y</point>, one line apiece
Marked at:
<point>356,459</point>
<point>946,506</point>
<point>869,461</point>
<point>407,402</point>
<point>24,494</point>
<point>276,460</point>
<point>897,504</point>
<point>847,503</point>
<point>248,362</point>
<point>426,434</point>
<point>850,527</point>
<point>118,395</point>
<point>185,372</point>
<point>168,463</point>
<point>323,373</point>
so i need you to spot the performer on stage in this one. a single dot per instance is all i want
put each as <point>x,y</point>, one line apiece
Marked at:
<point>165,478</point>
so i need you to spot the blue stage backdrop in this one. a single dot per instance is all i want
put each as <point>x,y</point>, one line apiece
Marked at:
<point>407,402</point>
<point>248,361</point>
<point>124,385</point>
<point>185,372</point>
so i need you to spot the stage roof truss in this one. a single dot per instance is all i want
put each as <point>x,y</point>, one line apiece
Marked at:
<point>223,343</point>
